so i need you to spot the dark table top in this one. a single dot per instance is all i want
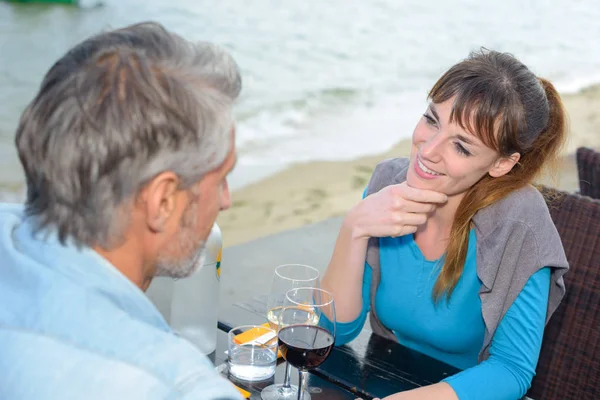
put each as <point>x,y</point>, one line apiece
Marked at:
<point>370,366</point>
<point>319,388</point>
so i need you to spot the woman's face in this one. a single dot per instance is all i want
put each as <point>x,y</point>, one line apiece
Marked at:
<point>446,158</point>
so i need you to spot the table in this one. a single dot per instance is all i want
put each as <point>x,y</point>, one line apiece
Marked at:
<point>319,388</point>
<point>370,366</point>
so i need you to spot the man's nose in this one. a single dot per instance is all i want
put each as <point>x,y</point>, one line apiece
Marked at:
<point>225,197</point>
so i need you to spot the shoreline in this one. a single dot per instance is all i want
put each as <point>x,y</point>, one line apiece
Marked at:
<point>311,192</point>
<point>306,193</point>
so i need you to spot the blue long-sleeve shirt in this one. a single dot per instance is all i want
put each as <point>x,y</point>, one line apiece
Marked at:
<point>453,331</point>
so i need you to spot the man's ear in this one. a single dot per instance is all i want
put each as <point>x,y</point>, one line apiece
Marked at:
<point>159,200</point>
<point>504,165</point>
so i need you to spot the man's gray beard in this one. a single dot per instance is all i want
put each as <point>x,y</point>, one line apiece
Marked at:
<point>182,268</point>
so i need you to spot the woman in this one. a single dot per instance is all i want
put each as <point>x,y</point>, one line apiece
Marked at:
<point>468,266</point>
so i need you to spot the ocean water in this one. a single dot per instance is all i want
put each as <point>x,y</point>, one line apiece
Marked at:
<point>323,80</point>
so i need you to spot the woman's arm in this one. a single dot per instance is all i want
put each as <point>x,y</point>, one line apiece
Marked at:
<point>344,275</point>
<point>395,210</point>
<point>439,391</point>
<point>507,373</point>
<point>347,331</point>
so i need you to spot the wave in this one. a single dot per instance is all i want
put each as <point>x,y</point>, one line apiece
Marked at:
<point>324,131</point>
<point>576,84</point>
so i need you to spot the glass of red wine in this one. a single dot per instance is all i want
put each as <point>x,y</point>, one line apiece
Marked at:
<point>306,330</point>
<point>285,278</point>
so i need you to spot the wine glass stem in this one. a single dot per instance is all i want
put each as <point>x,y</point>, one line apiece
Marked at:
<point>301,378</point>
<point>286,377</point>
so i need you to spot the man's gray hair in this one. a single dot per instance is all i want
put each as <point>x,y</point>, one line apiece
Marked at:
<point>114,112</point>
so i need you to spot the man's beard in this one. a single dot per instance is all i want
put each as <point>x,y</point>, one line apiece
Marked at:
<point>186,253</point>
<point>181,268</point>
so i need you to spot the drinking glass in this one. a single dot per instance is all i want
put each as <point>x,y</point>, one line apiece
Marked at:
<point>253,360</point>
<point>306,330</point>
<point>285,278</point>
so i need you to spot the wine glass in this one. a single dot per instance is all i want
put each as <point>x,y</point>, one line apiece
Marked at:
<point>285,278</point>
<point>306,330</point>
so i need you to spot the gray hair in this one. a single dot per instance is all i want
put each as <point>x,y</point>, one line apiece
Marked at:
<point>111,114</point>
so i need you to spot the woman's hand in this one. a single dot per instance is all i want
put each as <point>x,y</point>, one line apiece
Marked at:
<point>395,210</point>
<point>437,391</point>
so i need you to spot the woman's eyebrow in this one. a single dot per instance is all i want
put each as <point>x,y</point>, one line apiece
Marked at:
<point>461,137</point>
<point>433,111</point>
<point>465,139</point>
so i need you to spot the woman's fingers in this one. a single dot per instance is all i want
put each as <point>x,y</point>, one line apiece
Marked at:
<point>410,219</point>
<point>419,195</point>
<point>402,230</point>
<point>415,207</point>
<point>396,210</point>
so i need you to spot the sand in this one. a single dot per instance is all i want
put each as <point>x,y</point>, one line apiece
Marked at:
<point>306,193</point>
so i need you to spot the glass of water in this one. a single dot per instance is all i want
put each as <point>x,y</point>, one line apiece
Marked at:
<point>252,352</point>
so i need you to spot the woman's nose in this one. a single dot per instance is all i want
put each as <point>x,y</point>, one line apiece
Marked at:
<point>431,149</point>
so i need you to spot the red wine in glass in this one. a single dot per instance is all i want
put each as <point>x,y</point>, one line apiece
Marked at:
<point>306,330</point>
<point>305,346</point>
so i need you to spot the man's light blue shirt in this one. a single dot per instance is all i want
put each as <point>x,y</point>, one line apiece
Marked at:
<point>73,327</point>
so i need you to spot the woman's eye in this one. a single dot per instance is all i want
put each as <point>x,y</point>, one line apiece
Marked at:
<point>429,120</point>
<point>461,149</point>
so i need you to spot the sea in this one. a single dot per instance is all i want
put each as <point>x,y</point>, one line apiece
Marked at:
<point>322,80</point>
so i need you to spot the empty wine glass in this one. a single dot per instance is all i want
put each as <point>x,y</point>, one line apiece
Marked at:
<point>285,278</point>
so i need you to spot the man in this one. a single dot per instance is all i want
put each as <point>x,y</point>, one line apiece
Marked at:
<point>126,149</point>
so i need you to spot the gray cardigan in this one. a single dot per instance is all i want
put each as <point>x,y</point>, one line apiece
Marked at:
<point>515,238</point>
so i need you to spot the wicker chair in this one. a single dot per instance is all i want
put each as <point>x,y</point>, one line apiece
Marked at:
<point>588,169</point>
<point>569,364</point>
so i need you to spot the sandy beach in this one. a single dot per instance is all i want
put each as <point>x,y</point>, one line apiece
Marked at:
<point>306,193</point>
